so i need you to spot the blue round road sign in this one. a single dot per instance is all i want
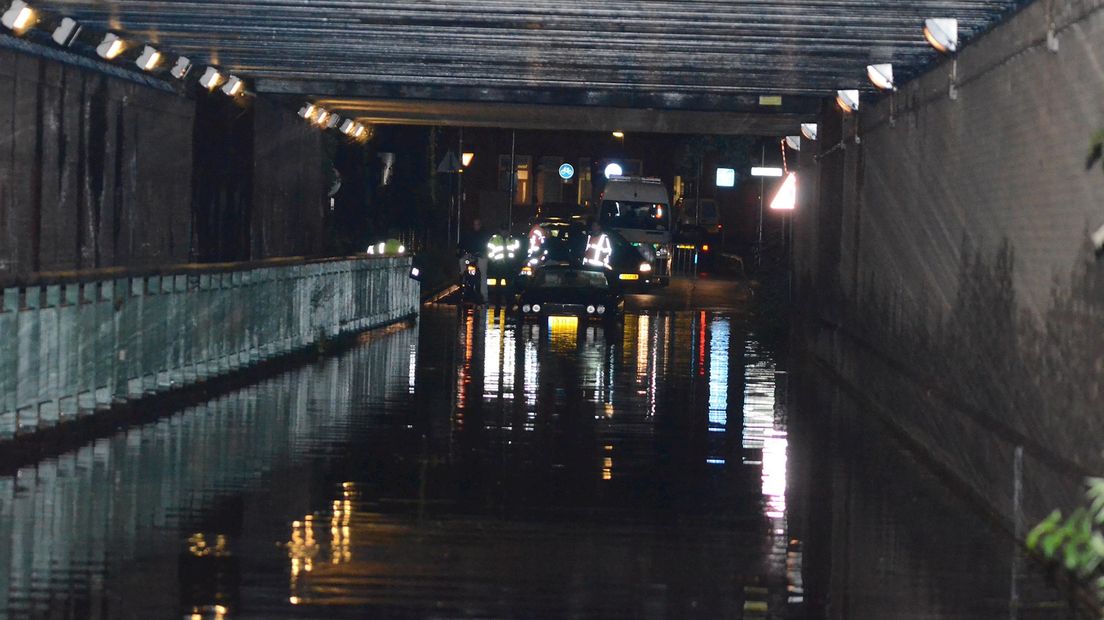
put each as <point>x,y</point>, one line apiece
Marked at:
<point>566,171</point>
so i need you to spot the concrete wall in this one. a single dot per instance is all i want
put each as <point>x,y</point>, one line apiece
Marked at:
<point>946,261</point>
<point>96,171</point>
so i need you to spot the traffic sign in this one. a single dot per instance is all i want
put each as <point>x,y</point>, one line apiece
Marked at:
<point>450,163</point>
<point>566,171</point>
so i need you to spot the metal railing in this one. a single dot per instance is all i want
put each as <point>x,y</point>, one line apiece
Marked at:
<point>75,343</point>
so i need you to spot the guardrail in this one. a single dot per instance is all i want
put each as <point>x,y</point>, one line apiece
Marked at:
<point>75,343</point>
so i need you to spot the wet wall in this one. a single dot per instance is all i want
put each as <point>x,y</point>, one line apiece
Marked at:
<point>96,171</point>
<point>83,158</point>
<point>947,268</point>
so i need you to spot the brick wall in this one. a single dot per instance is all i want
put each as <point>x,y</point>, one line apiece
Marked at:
<point>948,264</point>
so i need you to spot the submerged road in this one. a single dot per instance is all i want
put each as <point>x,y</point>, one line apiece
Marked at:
<point>679,465</point>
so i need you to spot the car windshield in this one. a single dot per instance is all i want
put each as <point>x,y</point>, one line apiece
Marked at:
<point>631,214</point>
<point>571,278</point>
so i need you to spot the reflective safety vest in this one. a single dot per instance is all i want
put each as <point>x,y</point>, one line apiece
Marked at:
<point>496,247</point>
<point>598,251</point>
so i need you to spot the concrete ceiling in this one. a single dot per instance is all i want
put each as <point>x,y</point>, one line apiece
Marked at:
<point>666,55</point>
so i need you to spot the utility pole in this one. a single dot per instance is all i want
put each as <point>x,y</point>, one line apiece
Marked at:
<point>459,185</point>
<point>513,180</point>
<point>762,188</point>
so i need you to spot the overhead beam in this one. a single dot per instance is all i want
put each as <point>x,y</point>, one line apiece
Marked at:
<point>555,117</point>
<point>669,99</point>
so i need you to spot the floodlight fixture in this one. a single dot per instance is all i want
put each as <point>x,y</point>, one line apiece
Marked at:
<point>613,169</point>
<point>881,75</point>
<point>809,131</point>
<point>942,34</point>
<point>848,100</point>
<point>148,59</point>
<point>66,32</point>
<point>19,17</point>
<point>181,68</point>
<point>210,79</point>
<point>786,198</point>
<point>794,142</point>
<point>234,86</point>
<point>110,47</point>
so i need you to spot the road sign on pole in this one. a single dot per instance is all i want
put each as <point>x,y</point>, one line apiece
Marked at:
<point>566,171</point>
<point>450,163</point>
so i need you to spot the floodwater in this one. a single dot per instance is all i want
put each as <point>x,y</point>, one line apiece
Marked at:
<point>674,466</point>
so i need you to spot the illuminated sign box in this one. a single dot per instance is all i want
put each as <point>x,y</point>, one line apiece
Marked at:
<point>726,177</point>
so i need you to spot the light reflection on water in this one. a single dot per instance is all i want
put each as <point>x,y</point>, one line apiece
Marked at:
<point>582,468</point>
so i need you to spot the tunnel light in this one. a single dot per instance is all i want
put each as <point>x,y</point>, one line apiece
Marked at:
<point>210,79</point>
<point>881,76</point>
<point>348,127</point>
<point>942,34</point>
<point>613,170</point>
<point>19,17</point>
<point>794,142</point>
<point>110,47</point>
<point>786,198</point>
<point>332,121</point>
<point>66,32</point>
<point>308,111</point>
<point>466,159</point>
<point>322,117</point>
<point>766,171</point>
<point>181,68</point>
<point>149,59</point>
<point>848,100</point>
<point>233,86</point>
<point>809,131</point>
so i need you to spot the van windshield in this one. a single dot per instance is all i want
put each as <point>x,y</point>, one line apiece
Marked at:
<point>632,214</point>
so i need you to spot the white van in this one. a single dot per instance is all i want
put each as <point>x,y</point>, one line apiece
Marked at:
<point>639,209</point>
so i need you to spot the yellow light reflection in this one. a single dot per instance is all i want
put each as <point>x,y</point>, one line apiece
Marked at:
<point>564,332</point>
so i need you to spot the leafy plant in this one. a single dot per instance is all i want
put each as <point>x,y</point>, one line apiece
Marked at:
<point>1096,149</point>
<point>1076,542</point>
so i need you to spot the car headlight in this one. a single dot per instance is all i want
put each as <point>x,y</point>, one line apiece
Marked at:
<point>526,308</point>
<point>645,267</point>
<point>601,309</point>
<point>536,307</point>
<point>471,270</point>
<point>590,309</point>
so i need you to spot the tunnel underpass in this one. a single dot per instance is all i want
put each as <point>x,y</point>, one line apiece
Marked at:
<point>242,373</point>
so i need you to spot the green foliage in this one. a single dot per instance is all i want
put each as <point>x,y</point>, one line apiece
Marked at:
<point>694,150</point>
<point>1096,149</point>
<point>1077,542</point>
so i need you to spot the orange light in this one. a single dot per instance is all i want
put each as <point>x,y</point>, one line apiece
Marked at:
<point>705,248</point>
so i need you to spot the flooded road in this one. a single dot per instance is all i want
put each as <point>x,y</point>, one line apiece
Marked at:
<point>677,465</point>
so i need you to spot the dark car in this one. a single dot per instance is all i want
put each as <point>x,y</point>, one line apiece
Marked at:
<point>575,243</point>
<point>568,290</point>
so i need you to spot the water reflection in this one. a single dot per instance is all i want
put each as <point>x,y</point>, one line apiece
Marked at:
<point>478,467</point>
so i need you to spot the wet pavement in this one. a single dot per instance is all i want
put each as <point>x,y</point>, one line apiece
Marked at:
<point>676,465</point>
